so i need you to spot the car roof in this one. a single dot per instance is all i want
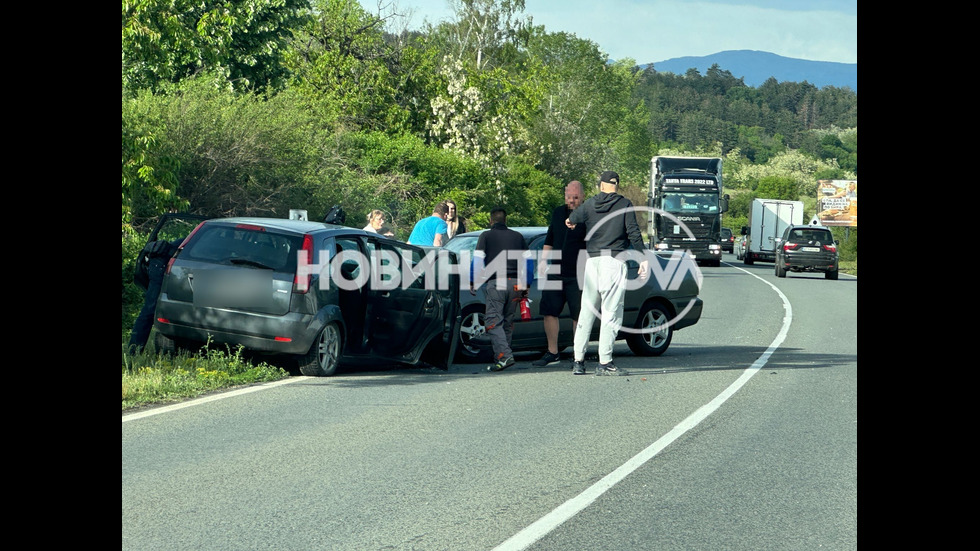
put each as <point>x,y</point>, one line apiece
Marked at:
<point>807,226</point>
<point>526,231</point>
<point>299,226</point>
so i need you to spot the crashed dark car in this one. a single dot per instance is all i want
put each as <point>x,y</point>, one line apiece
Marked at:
<point>320,293</point>
<point>650,316</point>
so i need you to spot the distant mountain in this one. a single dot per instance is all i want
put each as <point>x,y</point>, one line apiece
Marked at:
<point>756,67</point>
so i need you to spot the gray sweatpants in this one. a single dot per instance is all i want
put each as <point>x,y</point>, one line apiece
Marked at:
<point>501,306</point>
<point>602,296</point>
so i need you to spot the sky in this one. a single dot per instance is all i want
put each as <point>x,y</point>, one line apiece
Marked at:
<point>657,30</point>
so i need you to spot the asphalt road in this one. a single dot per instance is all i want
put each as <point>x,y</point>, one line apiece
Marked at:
<point>742,436</point>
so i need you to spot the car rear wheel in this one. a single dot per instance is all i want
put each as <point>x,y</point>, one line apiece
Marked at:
<point>324,356</point>
<point>831,274</point>
<point>171,346</point>
<point>473,325</point>
<point>780,270</point>
<point>655,333</point>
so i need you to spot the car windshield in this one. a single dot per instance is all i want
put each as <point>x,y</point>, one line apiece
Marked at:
<point>239,245</point>
<point>810,235</point>
<point>461,243</point>
<point>690,202</point>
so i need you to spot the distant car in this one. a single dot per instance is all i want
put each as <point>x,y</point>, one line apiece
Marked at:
<point>727,240</point>
<point>807,249</point>
<point>649,306</point>
<point>238,281</point>
<point>739,248</point>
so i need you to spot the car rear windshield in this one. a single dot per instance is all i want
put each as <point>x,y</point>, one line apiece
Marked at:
<point>244,245</point>
<point>823,236</point>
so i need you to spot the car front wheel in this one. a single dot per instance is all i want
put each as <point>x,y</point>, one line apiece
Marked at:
<point>473,326</point>
<point>654,332</point>
<point>324,356</point>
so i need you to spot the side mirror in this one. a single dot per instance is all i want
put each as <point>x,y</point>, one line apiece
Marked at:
<point>745,230</point>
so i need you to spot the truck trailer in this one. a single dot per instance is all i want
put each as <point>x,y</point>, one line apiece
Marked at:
<point>767,220</point>
<point>686,199</point>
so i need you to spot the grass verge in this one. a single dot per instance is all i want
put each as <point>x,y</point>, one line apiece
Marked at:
<point>849,267</point>
<point>150,378</point>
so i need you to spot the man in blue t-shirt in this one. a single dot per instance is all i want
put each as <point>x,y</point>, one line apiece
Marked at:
<point>431,230</point>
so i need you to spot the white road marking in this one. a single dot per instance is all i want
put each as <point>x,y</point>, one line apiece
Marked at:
<point>570,508</point>
<point>211,398</point>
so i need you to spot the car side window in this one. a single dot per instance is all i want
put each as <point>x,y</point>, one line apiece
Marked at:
<point>349,249</point>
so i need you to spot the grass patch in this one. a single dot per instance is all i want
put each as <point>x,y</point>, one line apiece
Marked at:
<point>152,378</point>
<point>849,267</point>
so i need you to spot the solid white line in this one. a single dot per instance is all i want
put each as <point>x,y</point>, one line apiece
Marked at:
<point>570,508</point>
<point>211,398</point>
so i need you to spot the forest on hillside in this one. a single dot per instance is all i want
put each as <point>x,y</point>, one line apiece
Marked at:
<point>257,107</point>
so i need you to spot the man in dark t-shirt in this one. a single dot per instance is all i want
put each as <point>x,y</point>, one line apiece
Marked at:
<point>569,242</point>
<point>500,248</point>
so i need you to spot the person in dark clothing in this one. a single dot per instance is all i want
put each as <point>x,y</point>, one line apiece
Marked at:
<point>569,243</point>
<point>158,254</point>
<point>612,228</point>
<point>497,253</point>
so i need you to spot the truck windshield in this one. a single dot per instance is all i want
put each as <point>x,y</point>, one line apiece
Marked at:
<point>690,202</point>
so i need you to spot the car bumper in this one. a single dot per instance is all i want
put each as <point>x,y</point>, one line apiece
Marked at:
<point>803,262</point>
<point>292,333</point>
<point>688,312</point>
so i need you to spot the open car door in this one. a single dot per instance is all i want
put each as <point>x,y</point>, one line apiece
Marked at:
<point>413,306</point>
<point>172,225</point>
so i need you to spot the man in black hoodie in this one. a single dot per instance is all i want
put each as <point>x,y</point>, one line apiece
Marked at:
<point>612,228</point>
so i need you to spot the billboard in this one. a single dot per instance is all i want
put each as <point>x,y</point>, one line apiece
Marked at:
<point>837,202</point>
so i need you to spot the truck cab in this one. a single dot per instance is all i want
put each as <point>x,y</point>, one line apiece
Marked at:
<point>686,195</point>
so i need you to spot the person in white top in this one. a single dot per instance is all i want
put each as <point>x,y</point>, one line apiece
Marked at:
<point>375,219</point>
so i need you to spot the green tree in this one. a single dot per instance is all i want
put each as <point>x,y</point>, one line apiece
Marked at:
<point>486,34</point>
<point>778,187</point>
<point>240,41</point>
<point>218,153</point>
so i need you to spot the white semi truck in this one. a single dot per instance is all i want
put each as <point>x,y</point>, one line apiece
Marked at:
<point>767,220</point>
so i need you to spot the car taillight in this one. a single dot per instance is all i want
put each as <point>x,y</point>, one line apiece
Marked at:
<point>789,246</point>
<point>832,248</point>
<point>304,271</point>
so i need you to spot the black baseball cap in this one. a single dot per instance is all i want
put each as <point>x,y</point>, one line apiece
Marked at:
<point>609,177</point>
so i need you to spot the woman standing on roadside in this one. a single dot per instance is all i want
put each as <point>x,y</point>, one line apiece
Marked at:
<point>375,220</point>
<point>454,220</point>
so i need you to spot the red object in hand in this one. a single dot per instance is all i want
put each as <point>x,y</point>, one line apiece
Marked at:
<point>525,309</point>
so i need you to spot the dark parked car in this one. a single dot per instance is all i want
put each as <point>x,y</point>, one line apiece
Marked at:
<point>807,249</point>
<point>647,307</point>
<point>238,281</point>
<point>727,240</point>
